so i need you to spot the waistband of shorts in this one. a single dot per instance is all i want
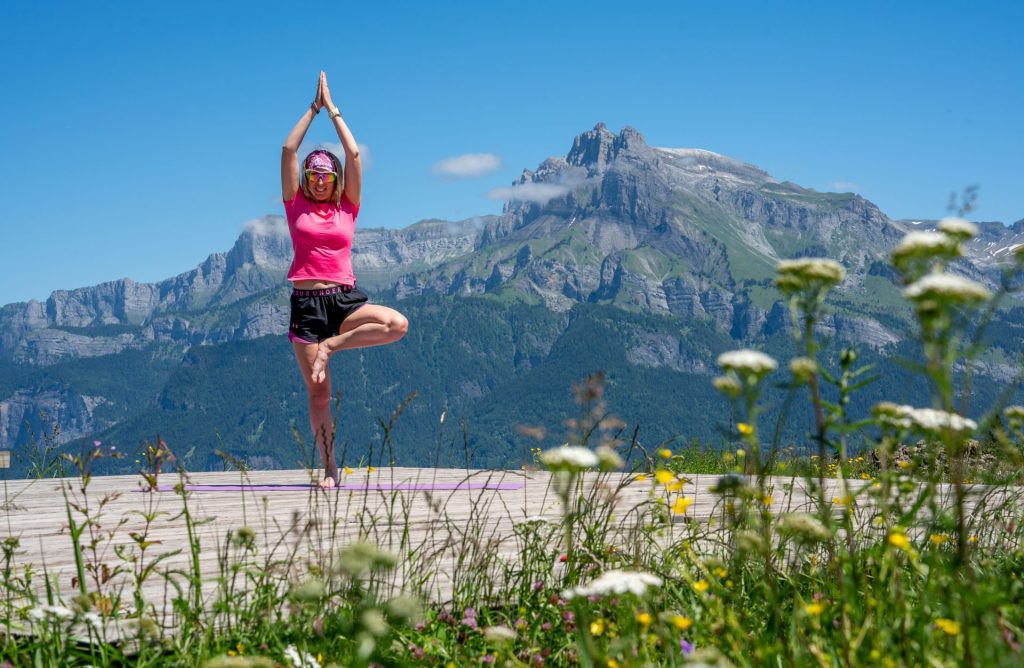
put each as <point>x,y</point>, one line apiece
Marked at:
<point>323,292</point>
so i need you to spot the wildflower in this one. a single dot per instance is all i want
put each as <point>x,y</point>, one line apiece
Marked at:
<point>949,288</point>
<point>899,539</point>
<point>767,499</point>
<point>925,246</point>
<point>804,528</point>
<point>93,621</point>
<point>641,477</point>
<point>569,458</point>
<point>685,646</point>
<point>802,368</point>
<point>499,635</point>
<point>865,476</point>
<point>938,539</point>
<point>487,659</point>
<point>300,659</point>
<point>680,622</point>
<point>701,586</point>
<point>674,486</point>
<point>948,626</point>
<point>1014,412</point>
<point>745,428</point>
<point>903,464</point>
<point>309,591</point>
<point>665,453</point>
<point>814,609</point>
<point>925,419</point>
<point>405,607</point>
<point>748,363</point>
<point>348,471</point>
<point>361,557</point>
<point>808,273</point>
<point>616,582</point>
<point>972,539</point>
<point>728,385</point>
<point>644,618</point>
<point>664,476</point>
<point>597,627</point>
<point>612,663</point>
<point>370,469</point>
<point>608,459</point>
<point>958,228</point>
<point>741,453</point>
<point>681,504</point>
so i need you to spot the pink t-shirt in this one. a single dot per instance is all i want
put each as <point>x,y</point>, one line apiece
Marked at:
<point>322,239</point>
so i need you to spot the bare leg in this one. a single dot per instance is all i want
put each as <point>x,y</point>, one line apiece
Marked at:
<point>370,325</point>
<point>319,395</point>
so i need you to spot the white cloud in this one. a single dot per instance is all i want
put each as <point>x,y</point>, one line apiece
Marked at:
<point>266,226</point>
<point>468,165</point>
<point>844,187</point>
<point>539,193</point>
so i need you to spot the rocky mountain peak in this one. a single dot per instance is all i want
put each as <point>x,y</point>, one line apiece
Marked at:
<point>596,148</point>
<point>264,242</point>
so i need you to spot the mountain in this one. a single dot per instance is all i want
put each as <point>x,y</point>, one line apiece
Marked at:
<point>658,258</point>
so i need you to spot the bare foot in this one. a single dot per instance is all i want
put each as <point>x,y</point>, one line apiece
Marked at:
<point>328,483</point>
<point>323,354</point>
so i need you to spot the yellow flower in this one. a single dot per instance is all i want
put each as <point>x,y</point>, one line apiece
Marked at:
<point>814,608</point>
<point>741,453</point>
<point>644,618</point>
<point>721,572</point>
<point>767,499</point>
<point>681,504</point>
<point>899,539</point>
<point>681,623</point>
<point>745,428</point>
<point>241,648</point>
<point>948,625</point>
<point>972,539</point>
<point>675,486</point>
<point>612,663</point>
<point>232,652</point>
<point>665,453</point>
<point>597,627</point>
<point>701,586</point>
<point>727,457</point>
<point>865,476</point>
<point>348,471</point>
<point>938,538</point>
<point>641,477</point>
<point>370,469</point>
<point>903,464</point>
<point>664,477</point>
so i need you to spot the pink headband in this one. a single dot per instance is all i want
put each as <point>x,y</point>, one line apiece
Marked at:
<point>320,162</point>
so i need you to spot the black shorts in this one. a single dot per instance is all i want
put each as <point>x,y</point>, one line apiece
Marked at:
<point>318,314</point>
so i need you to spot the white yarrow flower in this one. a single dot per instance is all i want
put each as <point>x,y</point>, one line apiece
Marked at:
<point>958,227</point>
<point>499,635</point>
<point>747,362</point>
<point>615,582</point>
<point>1014,412</point>
<point>569,457</point>
<point>817,268</point>
<point>37,614</point>
<point>608,459</point>
<point>925,419</point>
<point>916,243</point>
<point>300,659</point>
<point>58,611</point>
<point>947,286</point>
<point>93,620</point>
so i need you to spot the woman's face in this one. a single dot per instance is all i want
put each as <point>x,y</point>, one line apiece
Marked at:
<point>321,184</point>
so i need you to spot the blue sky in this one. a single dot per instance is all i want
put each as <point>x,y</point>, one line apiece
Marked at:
<point>138,138</point>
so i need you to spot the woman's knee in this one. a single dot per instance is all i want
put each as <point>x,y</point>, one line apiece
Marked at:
<point>398,325</point>
<point>319,394</point>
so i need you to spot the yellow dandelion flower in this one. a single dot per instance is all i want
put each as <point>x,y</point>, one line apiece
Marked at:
<point>370,469</point>
<point>972,539</point>
<point>745,428</point>
<point>701,586</point>
<point>727,457</point>
<point>741,453</point>
<point>814,609</point>
<point>597,627</point>
<point>664,477</point>
<point>903,464</point>
<point>641,477</point>
<point>348,471</point>
<point>865,476</point>
<point>938,538</point>
<point>899,539</point>
<point>681,504</point>
<point>232,652</point>
<point>665,453</point>
<point>767,499</point>
<point>612,663</point>
<point>241,648</point>
<point>721,572</point>
<point>948,626</point>
<point>675,486</point>
<point>644,618</point>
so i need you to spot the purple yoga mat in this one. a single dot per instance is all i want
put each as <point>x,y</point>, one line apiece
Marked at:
<point>350,487</point>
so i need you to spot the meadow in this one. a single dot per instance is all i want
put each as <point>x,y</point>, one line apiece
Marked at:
<point>887,539</point>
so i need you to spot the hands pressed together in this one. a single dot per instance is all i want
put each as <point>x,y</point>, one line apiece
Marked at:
<point>323,95</point>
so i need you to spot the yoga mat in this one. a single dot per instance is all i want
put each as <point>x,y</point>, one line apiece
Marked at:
<point>349,487</point>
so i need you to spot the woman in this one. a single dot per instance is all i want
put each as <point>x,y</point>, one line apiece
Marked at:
<point>327,313</point>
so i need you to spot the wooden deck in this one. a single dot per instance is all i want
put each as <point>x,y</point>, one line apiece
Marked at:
<point>300,527</point>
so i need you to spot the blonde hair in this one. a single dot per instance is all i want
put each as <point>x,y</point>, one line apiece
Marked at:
<point>338,185</point>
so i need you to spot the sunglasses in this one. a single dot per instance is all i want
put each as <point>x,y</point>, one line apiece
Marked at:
<point>322,177</point>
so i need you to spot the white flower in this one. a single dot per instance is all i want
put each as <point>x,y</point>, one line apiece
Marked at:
<point>958,227</point>
<point>949,287</point>
<point>499,635</point>
<point>58,611</point>
<point>747,362</point>
<point>92,620</point>
<point>925,419</point>
<point>37,614</point>
<point>925,243</point>
<point>1014,412</point>
<point>569,457</point>
<point>299,658</point>
<point>615,582</point>
<point>813,268</point>
<point>608,459</point>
